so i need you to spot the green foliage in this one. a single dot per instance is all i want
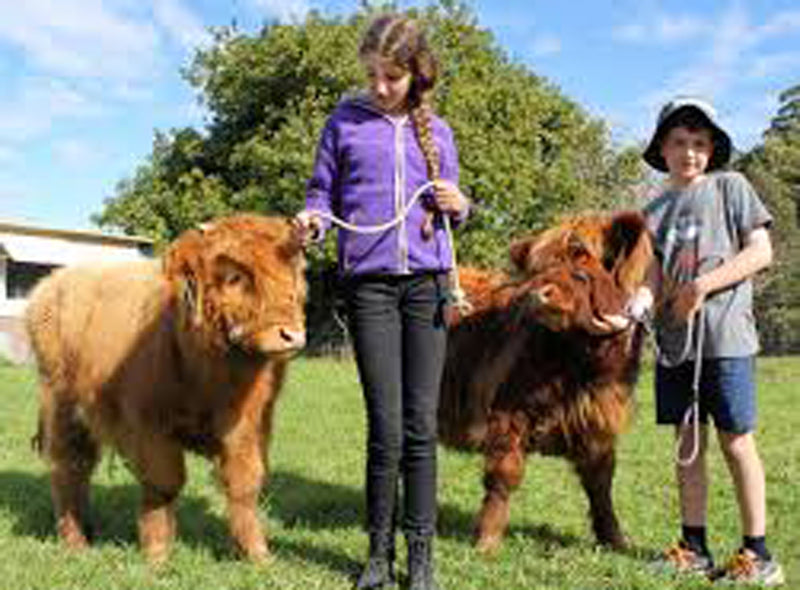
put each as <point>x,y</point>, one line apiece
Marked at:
<point>788,118</point>
<point>171,192</point>
<point>774,169</point>
<point>528,153</point>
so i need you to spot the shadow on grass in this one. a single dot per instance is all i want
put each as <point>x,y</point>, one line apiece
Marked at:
<point>298,501</point>
<point>113,514</point>
<point>335,561</point>
<point>294,500</point>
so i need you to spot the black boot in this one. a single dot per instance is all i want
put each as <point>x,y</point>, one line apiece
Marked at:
<point>379,570</point>
<point>420,562</point>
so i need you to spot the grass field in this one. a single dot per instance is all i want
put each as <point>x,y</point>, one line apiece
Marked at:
<point>313,505</point>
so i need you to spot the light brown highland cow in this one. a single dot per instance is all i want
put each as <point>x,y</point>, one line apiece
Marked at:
<point>154,358</point>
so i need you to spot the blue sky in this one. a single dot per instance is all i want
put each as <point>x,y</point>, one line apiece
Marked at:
<point>86,82</point>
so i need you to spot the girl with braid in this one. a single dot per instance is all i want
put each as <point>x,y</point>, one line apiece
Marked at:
<point>376,151</point>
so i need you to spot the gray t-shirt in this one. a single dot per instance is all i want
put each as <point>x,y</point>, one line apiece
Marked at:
<point>696,229</point>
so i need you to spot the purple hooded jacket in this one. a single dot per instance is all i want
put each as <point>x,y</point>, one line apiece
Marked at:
<point>367,168</point>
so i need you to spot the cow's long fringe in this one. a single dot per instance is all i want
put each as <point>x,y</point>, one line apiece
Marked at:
<point>489,342</point>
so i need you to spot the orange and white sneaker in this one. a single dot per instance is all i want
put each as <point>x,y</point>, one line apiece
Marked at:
<point>747,567</point>
<point>683,559</point>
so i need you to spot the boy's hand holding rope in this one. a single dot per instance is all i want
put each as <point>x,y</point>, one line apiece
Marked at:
<point>687,308</point>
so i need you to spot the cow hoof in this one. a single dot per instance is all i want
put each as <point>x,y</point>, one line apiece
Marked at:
<point>618,543</point>
<point>72,536</point>
<point>488,545</point>
<point>76,542</point>
<point>258,555</point>
<point>156,555</point>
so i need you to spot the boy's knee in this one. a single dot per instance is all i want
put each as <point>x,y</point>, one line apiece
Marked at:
<point>738,445</point>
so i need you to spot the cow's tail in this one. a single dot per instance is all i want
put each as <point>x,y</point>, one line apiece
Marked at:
<point>38,439</point>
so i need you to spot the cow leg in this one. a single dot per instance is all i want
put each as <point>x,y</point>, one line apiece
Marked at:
<point>242,473</point>
<point>596,472</point>
<point>73,455</point>
<point>503,472</point>
<point>160,467</point>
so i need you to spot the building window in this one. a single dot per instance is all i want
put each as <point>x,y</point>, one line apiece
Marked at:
<point>22,276</point>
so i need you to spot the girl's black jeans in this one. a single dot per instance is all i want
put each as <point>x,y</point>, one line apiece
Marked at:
<point>399,338</point>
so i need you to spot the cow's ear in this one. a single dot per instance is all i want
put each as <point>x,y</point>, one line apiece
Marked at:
<point>577,250</point>
<point>519,251</point>
<point>184,267</point>
<point>532,253</point>
<point>294,243</point>
<point>630,247</point>
<point>184,255</point>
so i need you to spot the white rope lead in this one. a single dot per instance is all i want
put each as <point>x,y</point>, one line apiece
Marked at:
<point>692,414</point>
<point>381,227</point>
<point>456,292</point>
<point>693,411</point>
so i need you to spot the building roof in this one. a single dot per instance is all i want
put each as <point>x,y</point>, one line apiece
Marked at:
<point>29,243</point>
<point>15,227</point>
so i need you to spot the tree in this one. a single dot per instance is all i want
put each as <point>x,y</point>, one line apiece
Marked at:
<point>528,153</point>
<point>774,169</point>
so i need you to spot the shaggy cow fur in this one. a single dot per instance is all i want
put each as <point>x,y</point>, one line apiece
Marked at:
<point>536,368</point>
<point>156,357</point>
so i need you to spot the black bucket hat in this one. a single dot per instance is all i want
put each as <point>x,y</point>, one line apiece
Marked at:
<point>722,142</point>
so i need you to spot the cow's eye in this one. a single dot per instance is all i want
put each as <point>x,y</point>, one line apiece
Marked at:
<point>230,273</point>
<point>233,278</point>
<point>580,276</point>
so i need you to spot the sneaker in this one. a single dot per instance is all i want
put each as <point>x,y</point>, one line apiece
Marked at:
<point>683,559</point>
<point>747,567</point>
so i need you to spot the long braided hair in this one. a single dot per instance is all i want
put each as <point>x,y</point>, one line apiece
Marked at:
<point>399,40</point>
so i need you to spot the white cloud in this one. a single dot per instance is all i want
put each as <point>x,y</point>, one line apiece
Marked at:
<point>679,28</point>
<point>83,58</point>
<point>181,24</point>
<point>8,154</point>
<point>12,194</point>
<point>725,70</point>
<point>663,28</point>
<point>545,45</point>
<point>630,32</point>
<point>712,72</point>
<point>131,91</point>
<point>765,66</point>
<point>38,103</point>
<point>283,10</point>
<point>782,23</point>
<point>73,153</point>
<point>80,38</point>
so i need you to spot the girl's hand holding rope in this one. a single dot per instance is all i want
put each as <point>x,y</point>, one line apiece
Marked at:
<point>448,198</point>
<point>309,226</point>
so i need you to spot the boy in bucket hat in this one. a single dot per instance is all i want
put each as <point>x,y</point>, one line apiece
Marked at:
<point>710,233</point>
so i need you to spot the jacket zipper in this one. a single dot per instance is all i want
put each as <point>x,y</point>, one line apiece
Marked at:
<point>400,192</point>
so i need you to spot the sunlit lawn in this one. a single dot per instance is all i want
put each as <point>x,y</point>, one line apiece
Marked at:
<point>313,505</point>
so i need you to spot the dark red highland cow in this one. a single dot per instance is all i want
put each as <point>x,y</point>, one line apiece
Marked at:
<point>537,368</point>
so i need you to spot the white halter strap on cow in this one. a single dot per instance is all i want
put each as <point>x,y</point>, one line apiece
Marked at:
<point>459,297</point>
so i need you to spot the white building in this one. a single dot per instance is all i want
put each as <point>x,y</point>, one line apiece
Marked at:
<point>28,253</point>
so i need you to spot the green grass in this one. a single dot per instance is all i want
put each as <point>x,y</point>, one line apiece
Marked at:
<point>313,507</point>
